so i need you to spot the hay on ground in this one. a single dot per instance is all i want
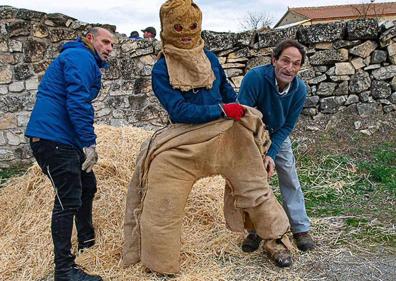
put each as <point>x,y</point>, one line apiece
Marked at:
<point>209,250</point>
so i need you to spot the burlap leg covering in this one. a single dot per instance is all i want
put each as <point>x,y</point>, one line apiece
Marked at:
<point>243,167</point>
<point>170,179</point>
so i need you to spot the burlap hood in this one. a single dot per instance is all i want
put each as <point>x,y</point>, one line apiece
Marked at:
<point>188,66</point>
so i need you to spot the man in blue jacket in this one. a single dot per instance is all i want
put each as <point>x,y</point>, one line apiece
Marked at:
<point>276,91</point>
<point>63,142</point>
<point>191,84</point>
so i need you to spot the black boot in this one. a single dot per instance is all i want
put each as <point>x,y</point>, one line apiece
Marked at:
<point>75,273</point>
<point>251,242</point>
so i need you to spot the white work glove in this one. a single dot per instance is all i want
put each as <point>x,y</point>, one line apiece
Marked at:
<point>91,157</point>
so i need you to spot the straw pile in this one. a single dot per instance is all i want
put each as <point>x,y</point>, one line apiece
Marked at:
<point>209,252</point>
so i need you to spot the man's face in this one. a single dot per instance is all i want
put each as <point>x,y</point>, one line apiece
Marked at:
<point>102,42</point>
<point>148,35</point>
<point>287,66</point>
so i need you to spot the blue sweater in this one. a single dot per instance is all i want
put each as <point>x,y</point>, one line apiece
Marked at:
<point>280,113</point>
<point>63,111</point>
<point>195,106</point>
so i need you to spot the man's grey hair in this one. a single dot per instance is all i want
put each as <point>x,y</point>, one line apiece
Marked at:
<point>95,30</point>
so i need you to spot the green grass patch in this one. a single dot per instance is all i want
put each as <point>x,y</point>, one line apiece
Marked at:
<point>358,189</point>
<point>6,174</point>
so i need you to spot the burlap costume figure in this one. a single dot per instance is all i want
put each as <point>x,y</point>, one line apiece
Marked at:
<point>168,166</point>
<point>175,158</point>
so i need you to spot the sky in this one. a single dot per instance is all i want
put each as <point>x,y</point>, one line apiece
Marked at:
<point>218,15</point>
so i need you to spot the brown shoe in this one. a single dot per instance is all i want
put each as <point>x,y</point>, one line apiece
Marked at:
<point>304,241</point>
<point>278,252</point>
<point>251,242</point>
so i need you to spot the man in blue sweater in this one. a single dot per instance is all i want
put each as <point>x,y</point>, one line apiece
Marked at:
<point>63,141</point>
<point>275,90</point>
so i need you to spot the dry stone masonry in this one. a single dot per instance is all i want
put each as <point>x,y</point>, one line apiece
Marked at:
<point>349,64</point>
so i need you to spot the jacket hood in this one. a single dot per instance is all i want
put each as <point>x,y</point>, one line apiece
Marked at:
<point>79,43</point>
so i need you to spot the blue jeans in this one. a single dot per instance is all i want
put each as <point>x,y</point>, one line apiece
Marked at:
<point>290,188</point>
<point>74,193</point>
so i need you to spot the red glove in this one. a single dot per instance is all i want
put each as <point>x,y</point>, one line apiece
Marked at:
<point>234,111</point>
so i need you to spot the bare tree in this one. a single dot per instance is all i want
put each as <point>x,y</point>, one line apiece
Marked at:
<point>368,10</point>
<point>255,21</point>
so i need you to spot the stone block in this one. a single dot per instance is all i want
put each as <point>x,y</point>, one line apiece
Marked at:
<point>319,33</point>
<point>232,72</point>
<point>364,50</point>
<point>18,28</point>
<point>5,75</point>
<point>8,121</point>
<point>345,44</point>
<point>16,87</point>
<point>22,72</point>
<point>3,45</point>
<point>40,31</point>
<point>237,80</point>
<point>3,140</point>
<point>13,139</point>
<point>365,96</point>
<point>362,29</point>
<point>317,80</point>
<point>357,63</point>
<point>340,78</point>
<point>393,83</point>
<point>3,90</point>
<point>310,111</point>
<point>372,67</point>
<point>392,59</point>
<point>378,56</point>
<point>391,49</point>
<point>7,59</point>
<point>380,89</point>
<point>384,73</point>
<point>329,105</point>
<point>327,57</point>
<point>392,98</point>
<point>233,65</point>
<point>344,68</point>
<point>389,108</point>
<point>359,82</point>
<point>352,99</point>
<point>326,89</point>
<point>6,154</point>
<point>23,119</point>
<point>34,50</point>
<point>323,46</point>
<point>273,37</point>
<point>31,84</point>
<point>342,89</point>
<point>367,109</point>
<point>311,101</point>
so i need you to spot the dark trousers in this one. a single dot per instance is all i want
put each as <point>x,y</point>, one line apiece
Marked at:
<point>74,193</point>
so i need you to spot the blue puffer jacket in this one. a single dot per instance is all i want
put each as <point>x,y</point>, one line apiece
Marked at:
<point>63,111</point>
<point>195,106</point>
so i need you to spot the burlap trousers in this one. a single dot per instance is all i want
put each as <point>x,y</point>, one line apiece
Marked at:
<point>234,153</point>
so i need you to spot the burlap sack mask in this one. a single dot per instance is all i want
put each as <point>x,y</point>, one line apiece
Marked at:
<point>188,66</point>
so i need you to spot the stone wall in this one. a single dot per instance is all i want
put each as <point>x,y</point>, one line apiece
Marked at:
<point>349,64</point>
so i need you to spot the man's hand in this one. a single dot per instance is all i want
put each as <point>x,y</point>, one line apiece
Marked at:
<point>234,111</point>
<point>269,166</point>
<point>91,157</point>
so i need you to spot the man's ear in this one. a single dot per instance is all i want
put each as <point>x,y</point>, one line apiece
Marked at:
<point>90,37</point>
<point>273,60</point>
